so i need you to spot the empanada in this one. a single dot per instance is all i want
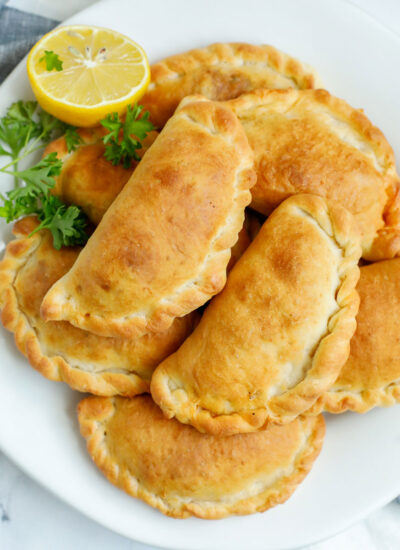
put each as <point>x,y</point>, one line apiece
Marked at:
<point>278,334</point>
<point>87,178</point>
<point>307,141</point>
<point>162,248</point>
<point>90,363</point>
<point>371,375</point>
<point>220,72</point>
<point>184,473</point>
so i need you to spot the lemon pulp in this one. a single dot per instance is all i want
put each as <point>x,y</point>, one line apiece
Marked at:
<point>102,71</point>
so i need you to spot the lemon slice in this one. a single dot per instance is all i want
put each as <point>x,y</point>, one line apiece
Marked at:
<point>102,71</point>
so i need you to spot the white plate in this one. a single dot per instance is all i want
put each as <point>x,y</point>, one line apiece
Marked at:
<point>358,469</point>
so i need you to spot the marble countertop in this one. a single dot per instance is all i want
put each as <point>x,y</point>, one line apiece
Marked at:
<point>31,518</point>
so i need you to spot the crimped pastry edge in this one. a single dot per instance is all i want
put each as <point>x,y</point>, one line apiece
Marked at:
<point>54,368</point>
<point>338,224</point>
<point>387,241</point>
<point>355,117</point>
<point>180,65</point>
<point>340,401</point>
<point>93,414</point>
<point>194,293</point>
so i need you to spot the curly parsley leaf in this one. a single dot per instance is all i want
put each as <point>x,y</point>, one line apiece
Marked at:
<point>19,120</point>
<point>24,122</point>
<point>124,138</point>
<point>12,209</point>
<point>26,128</point>
<point>66,223</point>
<point>52,61</point>
<point>40,178</point>
<point>72,138</point>
<point>18,127</point>
<point>21,111</point>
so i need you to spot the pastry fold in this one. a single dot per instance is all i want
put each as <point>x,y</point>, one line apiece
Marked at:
<point>308,141</point>
<point>60,351</point>
<point>247,234</point>
<point>371,375</point>
<point>183,473</point>
<point>162,248</point>
<point>278,334</point>
<point>220,72</point>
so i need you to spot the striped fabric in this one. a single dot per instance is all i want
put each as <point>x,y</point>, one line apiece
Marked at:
<point>19,30</point>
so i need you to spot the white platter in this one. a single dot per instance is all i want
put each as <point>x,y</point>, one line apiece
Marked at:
<point>358,469</point>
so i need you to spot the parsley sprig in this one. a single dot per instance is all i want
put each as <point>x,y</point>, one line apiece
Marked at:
<point>66,223</point>
<point>52,61</point>
<point>26,128</point>
<point>124,137</point>
<point>39,180</point>
<point>23,130</point>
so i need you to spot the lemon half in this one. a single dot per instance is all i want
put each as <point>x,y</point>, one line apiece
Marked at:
<point>102,71</point>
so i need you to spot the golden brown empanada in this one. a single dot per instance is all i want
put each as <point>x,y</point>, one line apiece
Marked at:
<point>220,72</point>
<point>90,363</point>
<point>371,375</point>
<point>87,178</point>
<point>278,334</point>
<point>162,248</point>
<point>184,473</point>
<point>307,141</point>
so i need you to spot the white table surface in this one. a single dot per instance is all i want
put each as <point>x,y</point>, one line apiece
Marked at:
<point>33,519</point>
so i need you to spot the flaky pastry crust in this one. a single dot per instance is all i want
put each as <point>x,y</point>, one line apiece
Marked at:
<point>59,351</point>
<point>162,248</point>
<point>220,72</point>
<point>278,334</point>
<point>183,473</point>
<point>371,376</point>
<point>308,141</point>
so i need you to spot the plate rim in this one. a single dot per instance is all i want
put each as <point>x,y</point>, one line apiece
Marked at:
<point>24,467</point>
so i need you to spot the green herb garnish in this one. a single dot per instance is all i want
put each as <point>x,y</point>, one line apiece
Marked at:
<point>23,130</point>
<point>66,223</point>
<point>52,61</point>
<point>72,138</point>
<point>124,138</point>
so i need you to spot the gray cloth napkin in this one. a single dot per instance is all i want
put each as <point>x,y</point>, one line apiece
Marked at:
<point>19,30</point>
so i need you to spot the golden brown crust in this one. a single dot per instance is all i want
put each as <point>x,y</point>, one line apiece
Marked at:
<point>183,473</point>
<point>59,351</point>
<point>137,273</point>
<point>220,72</point>
<point>371,375</point>
<point>276,337</point>
<point>362,402</point>
<point>87,178</point>
<point>308,141</point>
